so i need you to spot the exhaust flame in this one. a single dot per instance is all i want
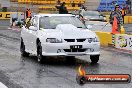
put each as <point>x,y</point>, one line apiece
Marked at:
<point>81,71</point>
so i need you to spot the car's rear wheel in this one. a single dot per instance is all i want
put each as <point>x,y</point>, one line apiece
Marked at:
<point>39,53</point>
<point>22,49</point>
<point>70,59</point>
<point>94,58</point>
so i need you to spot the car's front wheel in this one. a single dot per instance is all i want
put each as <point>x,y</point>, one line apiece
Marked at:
<point>94,58</point>
<point>39,53</point>
<point>22,49</point>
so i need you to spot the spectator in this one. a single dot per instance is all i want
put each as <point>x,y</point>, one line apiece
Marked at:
<point>114,2</point>
<point>128,2</point>
<point>123,13</point>
<point>116,13</point>
<point>14,19</point>
<point>63,9</point>
<point>79,4</point>
<point>28,13</point>
<point>28,22</point>
<point>73,4</point>
<point>83,7</point>
<point>58,4</point>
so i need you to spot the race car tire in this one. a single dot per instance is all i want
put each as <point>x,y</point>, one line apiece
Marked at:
<point>94,58</point>
<point>40,57</point>
<point>22,49</point>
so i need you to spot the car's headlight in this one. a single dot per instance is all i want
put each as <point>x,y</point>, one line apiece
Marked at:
<point>93,39</point>
<point>53,40</point>
<point>96,39</point>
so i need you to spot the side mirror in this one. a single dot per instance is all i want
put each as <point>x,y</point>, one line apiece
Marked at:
<point>89,26</point>
<point>33,28</point>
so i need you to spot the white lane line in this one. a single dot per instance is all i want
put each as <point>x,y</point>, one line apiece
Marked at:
<point>2,85</point>
<point>9,28</point>
<point>17,29</point>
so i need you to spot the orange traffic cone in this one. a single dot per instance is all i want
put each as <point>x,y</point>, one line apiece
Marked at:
<point>115,26</point>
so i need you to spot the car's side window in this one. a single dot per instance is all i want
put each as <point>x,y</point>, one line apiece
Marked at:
<point>34,22</point>
<point>42,22</point>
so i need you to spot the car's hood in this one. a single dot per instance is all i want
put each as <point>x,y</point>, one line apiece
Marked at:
<point>69,31</point>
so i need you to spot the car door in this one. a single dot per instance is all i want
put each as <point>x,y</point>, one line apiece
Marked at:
<point>25,36</point>
<point>32,35</point>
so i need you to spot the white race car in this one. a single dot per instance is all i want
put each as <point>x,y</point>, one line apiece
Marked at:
<point>58,35</point>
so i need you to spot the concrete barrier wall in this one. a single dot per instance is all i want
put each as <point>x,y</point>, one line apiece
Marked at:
<point>5,15</point>
<point>105,38</point>
<point>127,19</point>
<point>119,41</point>
<point>123,41</point>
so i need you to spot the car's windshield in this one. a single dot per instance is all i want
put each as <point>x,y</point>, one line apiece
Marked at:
<point>91,13</point>
<point>52,22</point>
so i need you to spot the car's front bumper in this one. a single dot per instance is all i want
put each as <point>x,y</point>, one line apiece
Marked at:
<point>63,49</point>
